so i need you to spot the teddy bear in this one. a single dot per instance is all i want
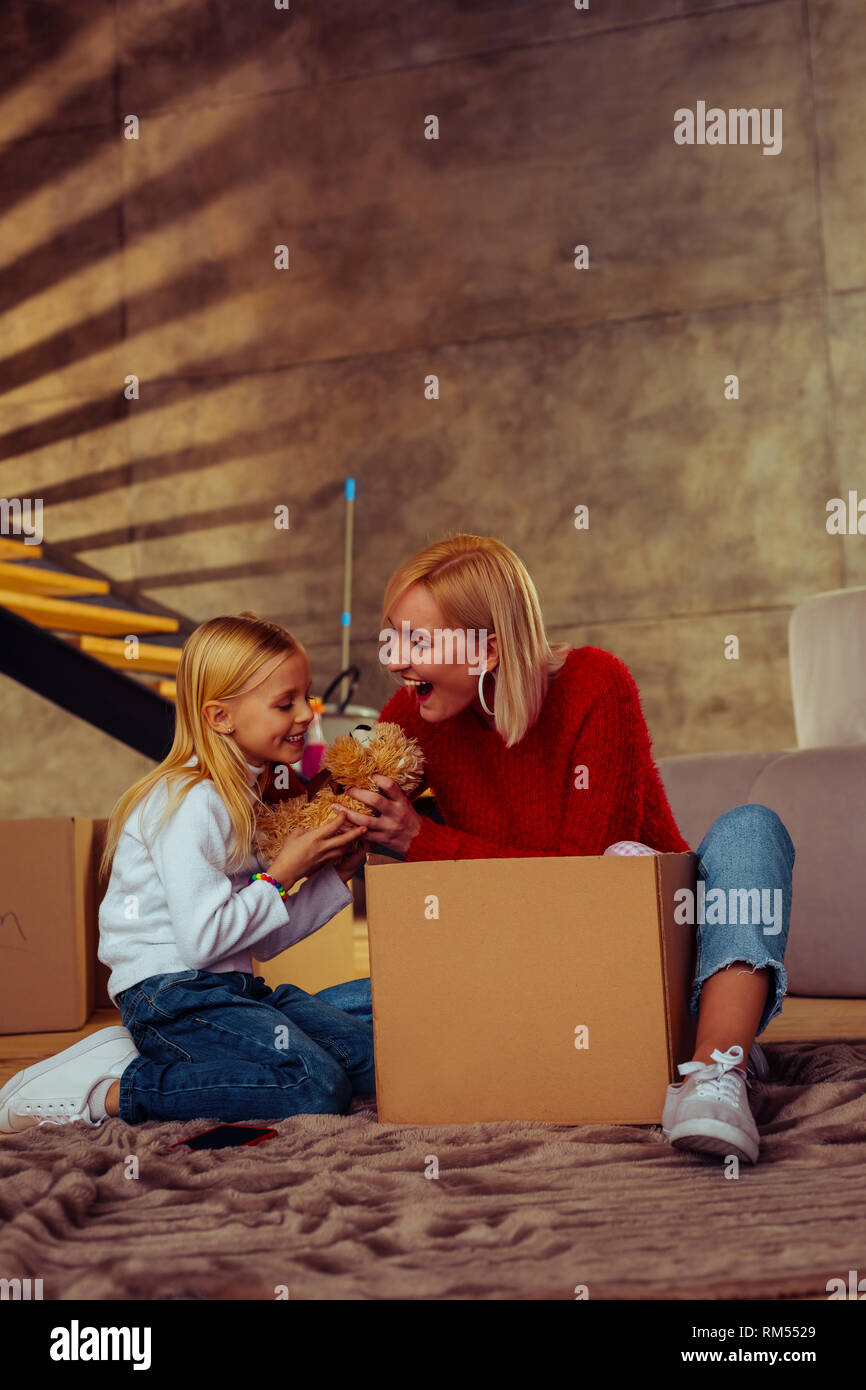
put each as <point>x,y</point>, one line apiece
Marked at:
<point>352,760</point>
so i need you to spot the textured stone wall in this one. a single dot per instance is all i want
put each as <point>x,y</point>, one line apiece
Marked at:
<point>411,257</point>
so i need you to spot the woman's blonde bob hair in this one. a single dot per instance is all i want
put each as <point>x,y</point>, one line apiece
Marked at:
<point>219,659</point>
<point>479,583</point>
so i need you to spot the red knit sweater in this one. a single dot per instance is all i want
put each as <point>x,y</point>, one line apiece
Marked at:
<point>521,802</point>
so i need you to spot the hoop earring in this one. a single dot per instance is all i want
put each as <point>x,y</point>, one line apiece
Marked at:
<point>481,692</point>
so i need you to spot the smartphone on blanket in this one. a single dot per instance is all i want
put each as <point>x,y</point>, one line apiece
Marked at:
<point>227,1137</point>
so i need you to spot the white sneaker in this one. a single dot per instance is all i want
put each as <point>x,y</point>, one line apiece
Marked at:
<point>58,1090</point>
<point>709,1111</point>
<point>758,1066</point>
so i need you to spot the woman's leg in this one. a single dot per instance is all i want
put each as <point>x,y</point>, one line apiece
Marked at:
<point>745,860</point>
<point>732,1003</point>
<point>208,1049</point>
<point>745,863</point>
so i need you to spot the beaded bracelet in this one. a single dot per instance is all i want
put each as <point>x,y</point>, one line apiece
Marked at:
<point>267,879</point>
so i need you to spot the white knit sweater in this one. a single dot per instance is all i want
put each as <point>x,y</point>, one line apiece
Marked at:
<point>175,907</point>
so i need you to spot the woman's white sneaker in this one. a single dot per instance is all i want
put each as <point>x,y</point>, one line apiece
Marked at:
<point>69,1086</point>
<point>709,1111</point>
<point>758,1066</point>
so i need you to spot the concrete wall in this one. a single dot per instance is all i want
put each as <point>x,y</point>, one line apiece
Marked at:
<point>411,257</point>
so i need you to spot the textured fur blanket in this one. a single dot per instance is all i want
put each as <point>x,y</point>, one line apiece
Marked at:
<point>340,1207</point>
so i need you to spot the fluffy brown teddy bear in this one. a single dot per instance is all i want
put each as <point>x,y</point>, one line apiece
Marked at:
<point>352,760</point>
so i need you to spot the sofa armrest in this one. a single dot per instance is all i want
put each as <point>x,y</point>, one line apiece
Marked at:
<point>820,795</point>
<point>701,786</point>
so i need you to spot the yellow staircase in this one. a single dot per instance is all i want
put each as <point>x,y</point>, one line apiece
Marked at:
<point>62,602</point>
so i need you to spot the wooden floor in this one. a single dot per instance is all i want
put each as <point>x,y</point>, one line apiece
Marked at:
<point>802,1020</point>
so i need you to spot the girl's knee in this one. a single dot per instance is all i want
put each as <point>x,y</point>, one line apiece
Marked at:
<point>332,1094</point>
<point>326,1089</point>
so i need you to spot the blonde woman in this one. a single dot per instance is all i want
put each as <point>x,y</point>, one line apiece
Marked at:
<point>187,902</point>
<point>502,739</point>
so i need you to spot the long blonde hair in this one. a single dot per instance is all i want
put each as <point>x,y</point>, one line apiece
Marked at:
<point>479,583</point>
<point>218,659</point>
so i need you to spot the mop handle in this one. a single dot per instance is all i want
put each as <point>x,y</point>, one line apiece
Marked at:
<point>346,619</point>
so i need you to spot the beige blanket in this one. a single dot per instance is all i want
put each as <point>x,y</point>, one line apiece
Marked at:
<point>339,1207</point>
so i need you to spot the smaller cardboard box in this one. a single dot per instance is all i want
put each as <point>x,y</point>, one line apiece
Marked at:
<point>548,989</point>
<point>48,924</point>
<point>325,958</point>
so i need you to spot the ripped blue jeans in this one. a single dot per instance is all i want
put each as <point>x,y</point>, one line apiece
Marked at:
<point>748,855</point>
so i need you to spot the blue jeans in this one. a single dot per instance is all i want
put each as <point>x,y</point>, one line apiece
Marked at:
<point>746,849</point>
<point>225,1046</point>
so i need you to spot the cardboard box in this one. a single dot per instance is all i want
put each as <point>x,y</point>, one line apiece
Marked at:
<point>48,917</point>
<point>325,958</point>
<point>102,998</point>
<point>483,971</point>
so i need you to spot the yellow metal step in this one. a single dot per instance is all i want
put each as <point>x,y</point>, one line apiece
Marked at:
<point>151,659</point>
<point>17,550</point>
<point>30,580</point>
<point>64,615</point>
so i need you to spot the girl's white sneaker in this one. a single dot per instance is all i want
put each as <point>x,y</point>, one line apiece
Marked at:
<point>60,1089</point>
<point>709,1111</point>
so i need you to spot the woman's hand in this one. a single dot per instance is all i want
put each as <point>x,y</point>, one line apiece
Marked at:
<point>304,851</point>
<point>397,822</point>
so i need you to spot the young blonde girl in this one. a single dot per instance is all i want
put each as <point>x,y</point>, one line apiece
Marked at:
<point>187,904</point>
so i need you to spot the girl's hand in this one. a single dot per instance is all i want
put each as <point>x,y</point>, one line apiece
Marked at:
<point>397,823</point>
<point>304,851</point>
<point>352,860</point>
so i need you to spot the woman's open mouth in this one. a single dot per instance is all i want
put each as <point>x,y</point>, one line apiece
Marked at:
<point>423,689</point>
<point>296,740</point>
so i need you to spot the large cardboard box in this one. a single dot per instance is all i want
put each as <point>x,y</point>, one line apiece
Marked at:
<point>547,989</point>
<point>48,915</point>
